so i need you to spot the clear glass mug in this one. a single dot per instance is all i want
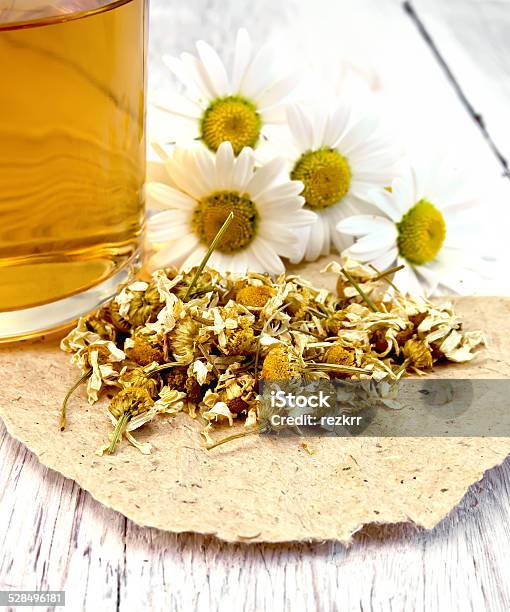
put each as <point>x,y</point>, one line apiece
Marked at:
<point>72,156</point>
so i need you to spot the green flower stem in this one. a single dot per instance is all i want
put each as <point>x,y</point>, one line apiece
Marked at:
<point>233,437</point>
<point>210,251</point>
<point>386,272</point>
<point>164,366</point>
<point>334,367</point>
<point>63,409</point>
<point>119,430</point>
<point>363,295</point>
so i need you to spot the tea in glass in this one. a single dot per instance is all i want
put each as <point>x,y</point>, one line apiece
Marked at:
<point>72,156</point>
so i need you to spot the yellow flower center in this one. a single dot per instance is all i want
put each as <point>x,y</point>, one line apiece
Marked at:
<point>421,233</point>
<point>254,295</point>
<point>234,119</point>
<point>326,176</point>
<point>339,355</point>
<point>212,212</point>
<point>277,365</point>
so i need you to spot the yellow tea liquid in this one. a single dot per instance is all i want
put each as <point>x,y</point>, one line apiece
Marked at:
<point>72,146</point>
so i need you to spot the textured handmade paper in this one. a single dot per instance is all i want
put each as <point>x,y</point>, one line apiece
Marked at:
<point>258,488</point>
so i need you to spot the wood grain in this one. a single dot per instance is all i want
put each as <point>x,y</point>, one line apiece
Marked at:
<point>472,38</point>
<point>54,536</point>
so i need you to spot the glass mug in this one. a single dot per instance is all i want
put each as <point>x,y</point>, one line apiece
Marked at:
<point>72,157</point>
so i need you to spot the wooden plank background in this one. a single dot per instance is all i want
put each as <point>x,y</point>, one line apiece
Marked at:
<point>444,71</point>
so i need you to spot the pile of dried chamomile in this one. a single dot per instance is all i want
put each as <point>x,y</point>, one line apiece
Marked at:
<point>200,342</point>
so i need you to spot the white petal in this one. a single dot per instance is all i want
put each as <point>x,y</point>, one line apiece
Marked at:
<point>281,206</point>
<point>302,238</point>
<point>462,206</point>
<point>200,77</point>
<point>430,279</point>
<point>194,258</point>
<point>162,197</point>
<point>215,68</point>
<point>336,125</point>
<point>383,201</point>
<point>204,163</point>
<point>257,76</point>
<point>178,68</point>
<point>278,91</point>
<point>383,262</point>
<point>166,226</point>
<point>301,127</point>
<point>406,281</point>
<point>285,242</point>
<point>175,104</point>
<point>357,136</point>
<point>243,169</point>
<point>265,177</point>
<point>383,239</point>
<point>363,224</point>
<point>318,240</point>
<point>289,189</point>
<point>288,212</point>
<point>403,194</point>
<point>224,166</point>
<point>242,58</point>
<point>185,171</point>
<point>263,251</point>
<point>173,253</point>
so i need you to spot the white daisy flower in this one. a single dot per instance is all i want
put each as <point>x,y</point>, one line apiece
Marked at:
<point>204,189</point>
<point>339,160</point>
<point>219,106</point>
<point>425,227</point>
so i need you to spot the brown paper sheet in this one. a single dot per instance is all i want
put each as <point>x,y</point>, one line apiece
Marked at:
<point>258,488</point>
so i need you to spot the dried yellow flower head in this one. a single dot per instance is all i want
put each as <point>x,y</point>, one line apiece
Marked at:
<point>339,355</point>
<point>98,325</point>
<point>138,377</point>
<point>237,405</point>
<point>418,353</point>
<point>131,401</point>
<point>334,323</point>
<point>143,353</point>
<point>242,342</point>
<point>182,340</point>
<point>279,364</point>
<point>254,295</point>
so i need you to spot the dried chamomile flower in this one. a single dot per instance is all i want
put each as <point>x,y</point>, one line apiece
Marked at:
<point>238,393</point>
<point>373,284</point>
<point>132,407</point>
<point>280,364</point>
<point>94,356</point>
<point>182,340</point>
<point>254,296</point>
<point>339,355</point>
<point>459,347</point>
<point>217,412</point>
<point>127,404</point>
<point>201,371</point>
<point>242,341</point>
<point>143,378</point>
<point>99,325</point>
<point>137,304</point>
<point>141,351</point>
<point>201,342</point>
<point>418,354</point>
